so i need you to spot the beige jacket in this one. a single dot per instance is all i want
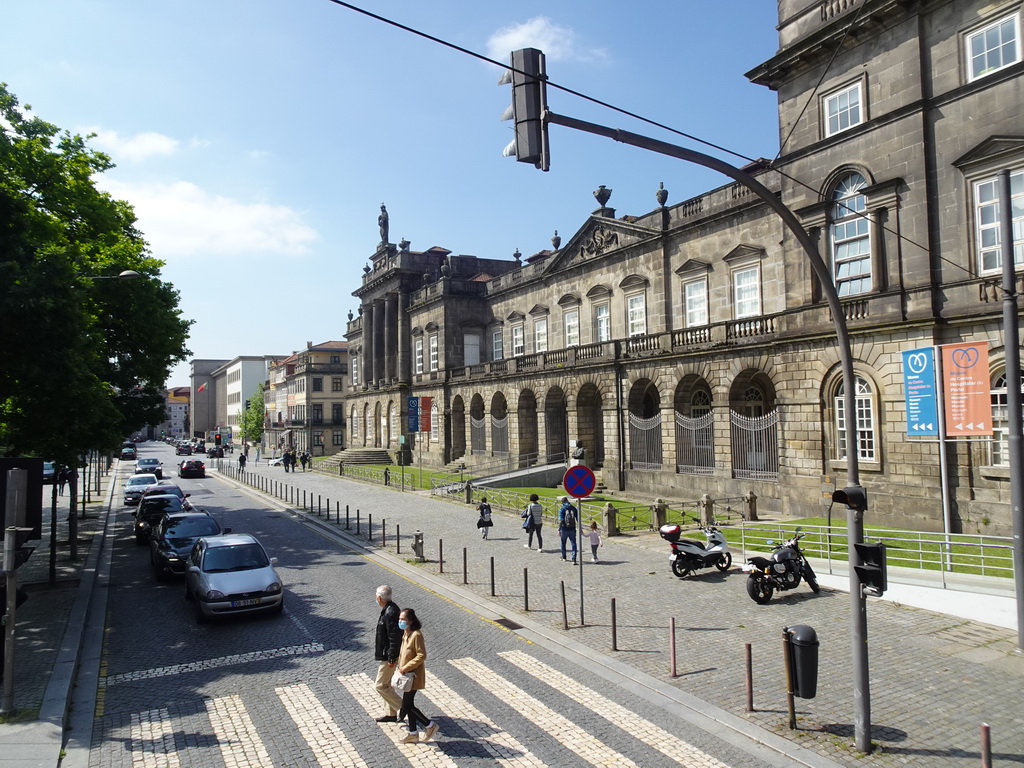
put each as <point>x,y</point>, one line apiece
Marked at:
<point>413,657</point>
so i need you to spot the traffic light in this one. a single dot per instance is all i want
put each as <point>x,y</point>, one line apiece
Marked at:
<point>216,439</point>
<point>529,103</point>
<point>247,405</point>
<point>854,496</point>
<point>871,569</point>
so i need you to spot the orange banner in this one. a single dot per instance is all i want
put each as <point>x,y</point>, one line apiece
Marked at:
<point>966,389</point>
<point>425,406</point>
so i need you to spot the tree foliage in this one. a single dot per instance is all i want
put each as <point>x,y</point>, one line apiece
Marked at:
<point>84,361</point>
<point>251,419</point>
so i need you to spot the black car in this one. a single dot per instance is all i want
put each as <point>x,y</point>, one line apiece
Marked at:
<point>149,465</point>
<point>163,487</point>
<point>184,450</point>
<point>192,468</point>
<point>173,537</point>
<point>149,512</point>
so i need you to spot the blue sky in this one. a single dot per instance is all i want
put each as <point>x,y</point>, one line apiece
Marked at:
<point>258,139</point>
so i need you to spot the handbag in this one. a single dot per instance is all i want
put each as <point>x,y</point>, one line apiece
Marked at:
<point>401,683</point>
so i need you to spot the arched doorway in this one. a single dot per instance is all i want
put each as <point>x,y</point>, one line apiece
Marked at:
<point>378,417</point>
<point>694,423</point>
<point>556,423</point>
<point>529,440</point>
<point>754,427</point>
<point>477,427</point>
<point>458,427</point>
<point>499,426</point>
<point>590,423</point>
<point>644,426</point>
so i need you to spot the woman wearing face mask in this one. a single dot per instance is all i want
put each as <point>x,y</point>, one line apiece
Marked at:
<point>412,658</point>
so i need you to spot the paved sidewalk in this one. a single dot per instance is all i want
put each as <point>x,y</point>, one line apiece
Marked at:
<point>935,676</point>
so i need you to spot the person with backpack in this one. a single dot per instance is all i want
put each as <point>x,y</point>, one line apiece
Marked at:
<point>533,516</point>
<point>484,522</point>
<point>568,519</point>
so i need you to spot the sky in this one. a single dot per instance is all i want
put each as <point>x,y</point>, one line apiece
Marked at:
<point>257,140</point>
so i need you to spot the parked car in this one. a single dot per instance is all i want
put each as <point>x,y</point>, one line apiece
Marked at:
<point>128,454</point>
<point>150,510</point>
<point>276,462</point>
<point>183,450</point>
<point>232,574</point>
<point>49,472</point>
<point>215,453</point>
<point>135,485</point>
<point>155,466</point>
<point>173,538</point>
<point>163,487</point>
<point>192,468</point>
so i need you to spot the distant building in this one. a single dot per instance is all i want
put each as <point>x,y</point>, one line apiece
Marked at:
<point>220,389</point>
<point>176,422</point>
<point>303,399</point>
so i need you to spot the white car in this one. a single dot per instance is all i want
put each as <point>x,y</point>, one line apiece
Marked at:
<point>135,485</point>
<point>232,574</point>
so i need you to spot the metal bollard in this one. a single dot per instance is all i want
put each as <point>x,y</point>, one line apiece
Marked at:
<point>398,539</point>
<point>369,527</point>
<point>347,526</point>
<point>492,576</point>
<point>986,746</point>
<point>672,646</point>
<point>357,522</point>
<point>526,589</point>
<point>465,568</point>
<point>383,533</point>
<point>565,613</point>
<point>750,676</point>
<point>615,628</point>
<point>440,555</point>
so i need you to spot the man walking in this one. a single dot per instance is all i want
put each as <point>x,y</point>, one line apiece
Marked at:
<point>567,521</point>
<point>241,462</point>
<point>387,643</point>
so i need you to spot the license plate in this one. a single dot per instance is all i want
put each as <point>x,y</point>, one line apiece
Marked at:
<point>245,603</point>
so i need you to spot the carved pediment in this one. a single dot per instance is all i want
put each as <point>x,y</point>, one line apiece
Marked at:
<point>990,150</point>
<point>743,252</point>
<point>599,237</point>
<point>539,309</point>
<point>694,266</point>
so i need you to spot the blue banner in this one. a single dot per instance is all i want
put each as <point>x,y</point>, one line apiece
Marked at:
<point>413,404</point>
<point>921,393</point>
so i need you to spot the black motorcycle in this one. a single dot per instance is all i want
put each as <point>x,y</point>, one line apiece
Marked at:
<point>783,569</point>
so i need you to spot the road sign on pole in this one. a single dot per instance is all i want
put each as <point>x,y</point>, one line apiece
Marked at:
<point>579,481</point>
<point>920,392</point>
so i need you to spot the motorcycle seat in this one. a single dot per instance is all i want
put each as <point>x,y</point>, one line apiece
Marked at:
<point>761,562</point>
<point>692,543</point>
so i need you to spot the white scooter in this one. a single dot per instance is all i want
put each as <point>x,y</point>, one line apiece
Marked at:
<point>689,555</point>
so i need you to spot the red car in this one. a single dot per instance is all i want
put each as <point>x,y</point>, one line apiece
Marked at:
<point>192,468</point>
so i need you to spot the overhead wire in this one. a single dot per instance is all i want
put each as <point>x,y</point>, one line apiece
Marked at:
<point>551,84</point>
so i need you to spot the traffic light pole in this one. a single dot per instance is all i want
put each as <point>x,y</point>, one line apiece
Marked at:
<point>854,518</point>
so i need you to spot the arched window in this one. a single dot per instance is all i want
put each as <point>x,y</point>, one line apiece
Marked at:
<point>354,421</point>
<point>850,237</point>
<point>435,432</point>
<point>866,438</point>
<point>1001,421</point>
<point>393,423</point>
<point>700,403</point>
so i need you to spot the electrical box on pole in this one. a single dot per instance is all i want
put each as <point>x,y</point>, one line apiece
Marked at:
<point>529,103</point>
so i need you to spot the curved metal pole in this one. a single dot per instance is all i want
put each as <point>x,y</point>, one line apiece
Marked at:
<point>854,518</point>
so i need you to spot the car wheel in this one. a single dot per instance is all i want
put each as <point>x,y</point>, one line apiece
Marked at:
<point>201,618</point>
<point>280,606</point>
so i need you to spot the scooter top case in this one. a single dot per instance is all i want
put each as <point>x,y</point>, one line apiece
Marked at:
<point>670,533</point>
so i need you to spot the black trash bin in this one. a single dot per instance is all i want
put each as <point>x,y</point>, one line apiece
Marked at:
<point>803,660</point>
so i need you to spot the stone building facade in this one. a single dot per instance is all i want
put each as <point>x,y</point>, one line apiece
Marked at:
<point>689,348</point>
<point>302,400</point>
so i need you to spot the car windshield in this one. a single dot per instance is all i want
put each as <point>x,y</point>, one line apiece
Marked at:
<point>141,480</point>
<point>240,557</point>
<point>148,462</point>
<point>158,506</point>
<point>193,527</point>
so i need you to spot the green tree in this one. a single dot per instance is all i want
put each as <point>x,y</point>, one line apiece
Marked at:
<point>84,360</point>
<point>250,420</point>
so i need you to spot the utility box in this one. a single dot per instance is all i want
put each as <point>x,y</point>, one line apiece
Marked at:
<point>417,546</point>
<point>803,660</point>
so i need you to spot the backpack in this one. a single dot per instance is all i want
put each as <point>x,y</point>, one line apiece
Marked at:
<point>569,517</point>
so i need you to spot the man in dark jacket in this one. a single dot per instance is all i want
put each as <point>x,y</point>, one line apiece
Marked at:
<point>386,645</point>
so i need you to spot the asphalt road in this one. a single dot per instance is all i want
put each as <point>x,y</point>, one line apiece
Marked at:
<point>296,689</point>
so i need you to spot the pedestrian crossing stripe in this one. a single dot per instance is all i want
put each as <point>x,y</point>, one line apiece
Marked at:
<point>237,735</point>
<point>580,741</point>
<point>654,736</point>
<point>152,733</point>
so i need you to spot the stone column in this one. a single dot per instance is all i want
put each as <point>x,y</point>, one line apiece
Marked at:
<point>390,336</point>
<point>404,340</point>
<point>378,340</point>
<point>367,361</point>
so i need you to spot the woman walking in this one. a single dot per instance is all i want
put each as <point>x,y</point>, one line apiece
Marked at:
<point>484,522</point>
<point>412,659</point>
<point>534,517</point>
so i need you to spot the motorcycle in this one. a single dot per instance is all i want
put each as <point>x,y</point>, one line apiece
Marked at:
<point>689,555</point>
<point>784,569</point>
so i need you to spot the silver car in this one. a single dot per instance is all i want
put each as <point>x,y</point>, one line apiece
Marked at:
<point>135,485</point>
<point>232,574</point>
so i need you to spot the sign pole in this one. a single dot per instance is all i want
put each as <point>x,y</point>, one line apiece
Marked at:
<point>579,553</point>
<point>579,482</point>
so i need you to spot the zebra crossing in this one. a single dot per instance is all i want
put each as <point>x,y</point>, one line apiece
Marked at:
<point>328,743</point>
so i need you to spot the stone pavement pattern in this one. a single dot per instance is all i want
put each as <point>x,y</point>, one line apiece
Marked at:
<point>934,678</point>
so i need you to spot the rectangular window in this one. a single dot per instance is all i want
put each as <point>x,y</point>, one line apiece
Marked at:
<point>540,335</point>
<point>987,217</point>
<point>571,321</point>
<point>435,423</point>
<point>865,428</point>
<point>636,311</point>
<point>518,341</point>
<point>354,423</point>
<point>337,414</point>
<point>318,384</point>
<point>993,47</point>
<point>337,438</point>
<point>497,346</point>
<point>695,294</point>
<point>355,371</point>
<point>602,323</point>
<point>337,384</point>
<point>434,361</point>
<point>417,355</point>
<point>335,359</point>
<point>471,342</point>
<point>843,110</point>
<point>317,413</point>
<point>747,292</point>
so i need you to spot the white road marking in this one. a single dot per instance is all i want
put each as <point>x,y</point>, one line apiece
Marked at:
<point>502,746</point>
<point>329,744</point>
<point>581,742</point>
<point>153,740</point>
<point>422,755</point>
<point>654,736</point>
<point>237,735</point>
<point>223,661</point>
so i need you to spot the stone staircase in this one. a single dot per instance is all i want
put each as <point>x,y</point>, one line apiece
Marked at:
<point>359,456</point>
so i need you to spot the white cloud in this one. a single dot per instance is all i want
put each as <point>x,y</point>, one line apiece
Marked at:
<point>132,148</point>
<point>558,42</point>
<point>181,219</point>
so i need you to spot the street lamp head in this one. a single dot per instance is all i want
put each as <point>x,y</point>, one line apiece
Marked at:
<point>128,274</point>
